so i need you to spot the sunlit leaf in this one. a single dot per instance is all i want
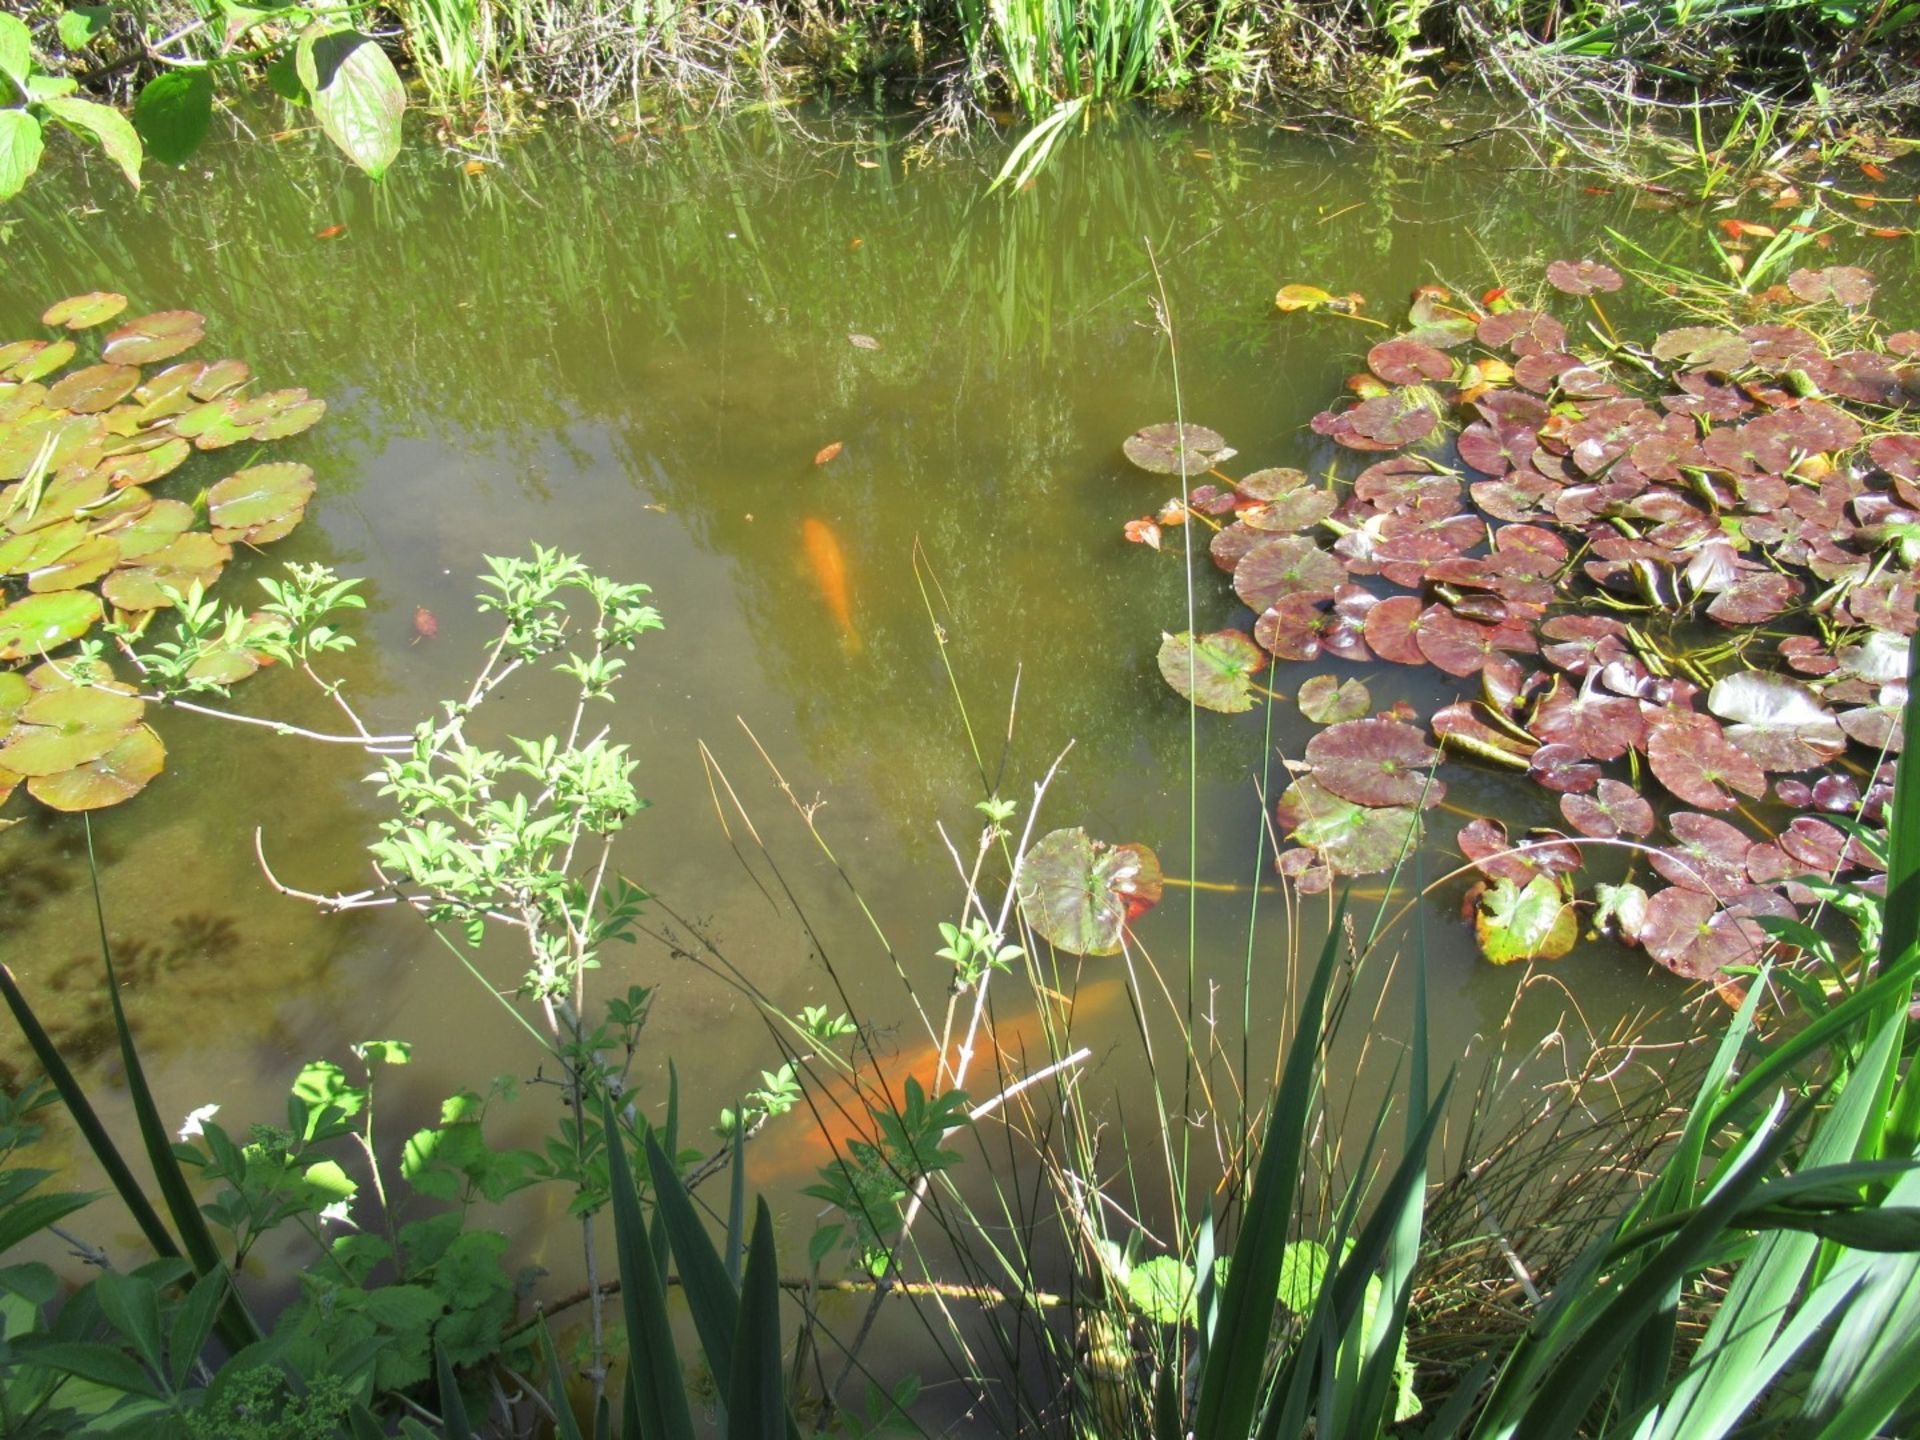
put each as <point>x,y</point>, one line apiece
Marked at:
<point>1078,893</point>
<point>79,312</point>
<point>356,93</point>
<point>1375,762</point>
<point>1214,671</point>
<point>116,776</point>
<point>41,623</point>
<point>1326,700</point>
<point>1534,921</point>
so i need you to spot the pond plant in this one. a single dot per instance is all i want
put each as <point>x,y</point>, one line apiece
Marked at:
<point>91,547</point>
<point>1678,571</point>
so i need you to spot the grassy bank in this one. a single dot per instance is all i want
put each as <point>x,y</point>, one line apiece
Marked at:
<point>1369,60</point>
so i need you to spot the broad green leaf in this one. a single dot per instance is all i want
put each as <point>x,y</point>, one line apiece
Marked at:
<point>77,26</point>
<point>46,622</point>
<point>173,113</point>
<point>107,125</point>
<point>1214,671</point>
<point>132,1303</point>
<point>19,149</point>
<point>1079,893</point>
<point>1162,1289</point>
<point>16,49</point>
<point>356,93</point>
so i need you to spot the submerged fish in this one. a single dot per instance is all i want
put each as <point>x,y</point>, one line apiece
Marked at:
<point>829,568</point>
<point>812,1135</point>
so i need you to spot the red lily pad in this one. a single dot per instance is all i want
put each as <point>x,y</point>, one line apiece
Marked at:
<point>1695,762</point>
<point>1292,628</point>
<point>1408,362</point>
<point>1171,449</point>
<point>1779,722</point>
<point>1582,277</point>
<point>1846,285</point>
<point>1375,762</point>
<point>1708,855</point>
<point>1391,627</point>
<point>1564,769</point>
<point>1485,844</point>
<point>1283,566</point>
<point>1613,809</point>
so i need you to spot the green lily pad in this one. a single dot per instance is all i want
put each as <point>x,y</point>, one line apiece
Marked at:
<point>79,312</point>
<point>1214,671</point>
<point>68,493</point>
<point>93,389</point>
<point>1350,839</point>
<point>82,565</point>
<point>20,554</point>
<point>218,378</point>
<point>159,336</point>
<point>1078,893</point>
<point>45,622</point>
<point>262,501</point>
<point>146,464</point>
<point>292,420</point>
<point>1327,701</point>
<point>1170,449</point>
<point>71,435</point>
<point>154,528</point>
<point>43,360</point>
<point>14,692</point>
<point>117,776</point>
<point>1530,922</point>
<point>194,556</point>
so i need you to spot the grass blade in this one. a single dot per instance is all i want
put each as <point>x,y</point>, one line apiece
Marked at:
<point>453,1409</point>
<point>703,1276</point>
<point>756,1403</point>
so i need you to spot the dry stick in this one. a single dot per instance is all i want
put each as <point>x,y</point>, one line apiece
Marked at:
<point>964,1058</point>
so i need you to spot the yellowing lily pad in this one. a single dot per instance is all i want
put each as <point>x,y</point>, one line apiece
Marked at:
<point>1534,921</point>
<point>194,556</point>
<point>116,776</point>
<point>78,312</point>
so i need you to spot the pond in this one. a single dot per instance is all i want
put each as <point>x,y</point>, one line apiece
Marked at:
<point>642,349</point>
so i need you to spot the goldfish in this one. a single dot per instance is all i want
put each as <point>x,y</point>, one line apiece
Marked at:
<point>816,1132</point>
<point>830,574</point>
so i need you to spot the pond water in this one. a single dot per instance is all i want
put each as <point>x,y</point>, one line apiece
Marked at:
<point>634,348</point>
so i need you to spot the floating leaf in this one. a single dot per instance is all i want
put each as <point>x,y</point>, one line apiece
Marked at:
<point>1613,809</point>
<point>192,558</point>
<point>1530,922</point>
<point>1486,844</point>
<point>79,312</point>
<point>118,775</point>
<point>1078,893</point>
<point>96,388</point>
<point>41,623</point>
<point>1846,285</point>
<point>1350,839</point>
<point>1170,449</point>
<point>159,336</point>
<point>1694,761</point>
<point>1710,855</point>
<point>1286,565</point>
<point>1301,297</point>
<point>1408,362</point>
<point>1779,722</point>
<point>1375,762</point>
<point>1582,277</point>
<point>59,729</point>
<point>1143,532</point>
<point>1215,672</point>
<point>1327,701</point>
<point>260,503</point>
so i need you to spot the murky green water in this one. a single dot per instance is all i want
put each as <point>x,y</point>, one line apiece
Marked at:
<point>635,353</point>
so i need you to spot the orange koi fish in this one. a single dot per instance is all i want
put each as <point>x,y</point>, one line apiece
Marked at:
<point>830,574</point>
<point>813,1134</point>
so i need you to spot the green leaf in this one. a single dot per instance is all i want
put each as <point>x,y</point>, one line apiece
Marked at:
<point>756,1402</point>
<point>133,1305</point>
<point>356,93</point>
<point>116,134</point>
<point>30,1216</point>
<point>1213,671</point>
<point>102,1364</point>
<point>16,48</point>
<point>78,26</point>
<point>19,149</point>
<point>711,1295</point>
<point>173,113</point>
<point>1162,1289</point>
<point>193,1322</point>
<point>655,1387</point>
<point>283,78</point>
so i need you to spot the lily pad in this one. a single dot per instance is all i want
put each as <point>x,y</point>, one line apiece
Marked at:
<point>1375,762</point>
<point>158,336</point>
<point>41,623</point>
<point>116,776</point>
<point>1171,449</point>
<point>1846,285</point>
<point>1326,700</point>
<point>1709,855</point>
<point>1535,921</point>
<point>1078,893</point>
<point>1779,722</point>
<point>192,558</point>
<point>1283,566</point>
<point>260,503</point>
<point>1214,671</point>
<point>1696,762</point>
<point>1613,809</point>
<point>1582,277</point>
<point>79,312</point>
<point>1350,839</point>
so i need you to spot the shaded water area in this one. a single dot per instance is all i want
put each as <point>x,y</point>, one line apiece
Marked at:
<point>636,354</point>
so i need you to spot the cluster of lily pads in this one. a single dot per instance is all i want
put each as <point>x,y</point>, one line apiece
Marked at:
<point>87,441</point>
<point>1682,573</point>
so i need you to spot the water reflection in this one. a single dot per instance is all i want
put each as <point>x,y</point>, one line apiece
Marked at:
<point>636,353</point>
